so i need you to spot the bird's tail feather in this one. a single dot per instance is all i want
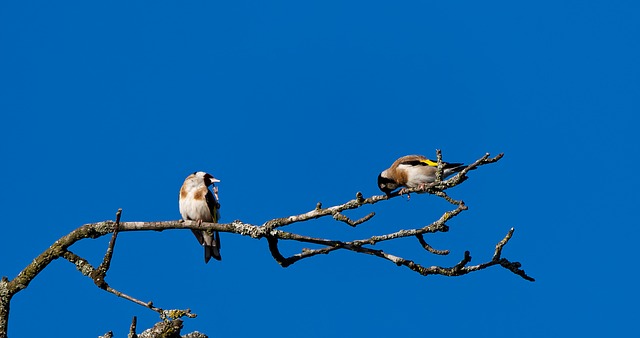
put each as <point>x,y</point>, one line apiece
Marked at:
<point>452,168</point>
<point>456,167</point>
<point>214,249</point>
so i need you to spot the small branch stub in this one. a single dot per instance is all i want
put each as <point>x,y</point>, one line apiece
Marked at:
<point>132,328</point>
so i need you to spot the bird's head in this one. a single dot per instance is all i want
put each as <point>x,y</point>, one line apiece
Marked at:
<point>386,184</point>
<point>207,178</point>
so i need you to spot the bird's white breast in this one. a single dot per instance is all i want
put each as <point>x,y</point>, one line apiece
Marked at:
<point>192,209</point>
<point>417,175</point>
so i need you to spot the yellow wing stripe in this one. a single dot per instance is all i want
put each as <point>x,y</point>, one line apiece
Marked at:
<point>429,162</point>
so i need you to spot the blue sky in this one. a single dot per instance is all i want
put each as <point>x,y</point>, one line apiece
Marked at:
<point>108,106</point>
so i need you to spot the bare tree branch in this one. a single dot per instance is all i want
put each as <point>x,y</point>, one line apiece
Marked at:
<point>272,232</point>
<point>358,246</point>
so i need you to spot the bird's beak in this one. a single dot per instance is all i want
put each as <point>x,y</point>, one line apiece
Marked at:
<point>215,180</point>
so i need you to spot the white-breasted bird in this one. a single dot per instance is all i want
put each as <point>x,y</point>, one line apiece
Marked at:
<point>197,203</point>
<point>413,171</point>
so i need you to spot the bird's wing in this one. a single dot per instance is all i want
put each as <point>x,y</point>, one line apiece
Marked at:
<point>414,160</point>
<point>213,249</point>
<point>213,205</point>
<point>199,237</point>
<point>419,160</point>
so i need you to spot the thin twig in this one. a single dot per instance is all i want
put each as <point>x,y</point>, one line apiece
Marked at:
<point>440,167</point>
<point>275,252</point>
<point>88,270</point>
<point>446,197</point>
<point>106,262</point>
<point>340,217</point>
<point>505,263</point>
<point>100,273</point>
<point>321,212</point>
<point>501,244</point>
<point>429,248</point>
